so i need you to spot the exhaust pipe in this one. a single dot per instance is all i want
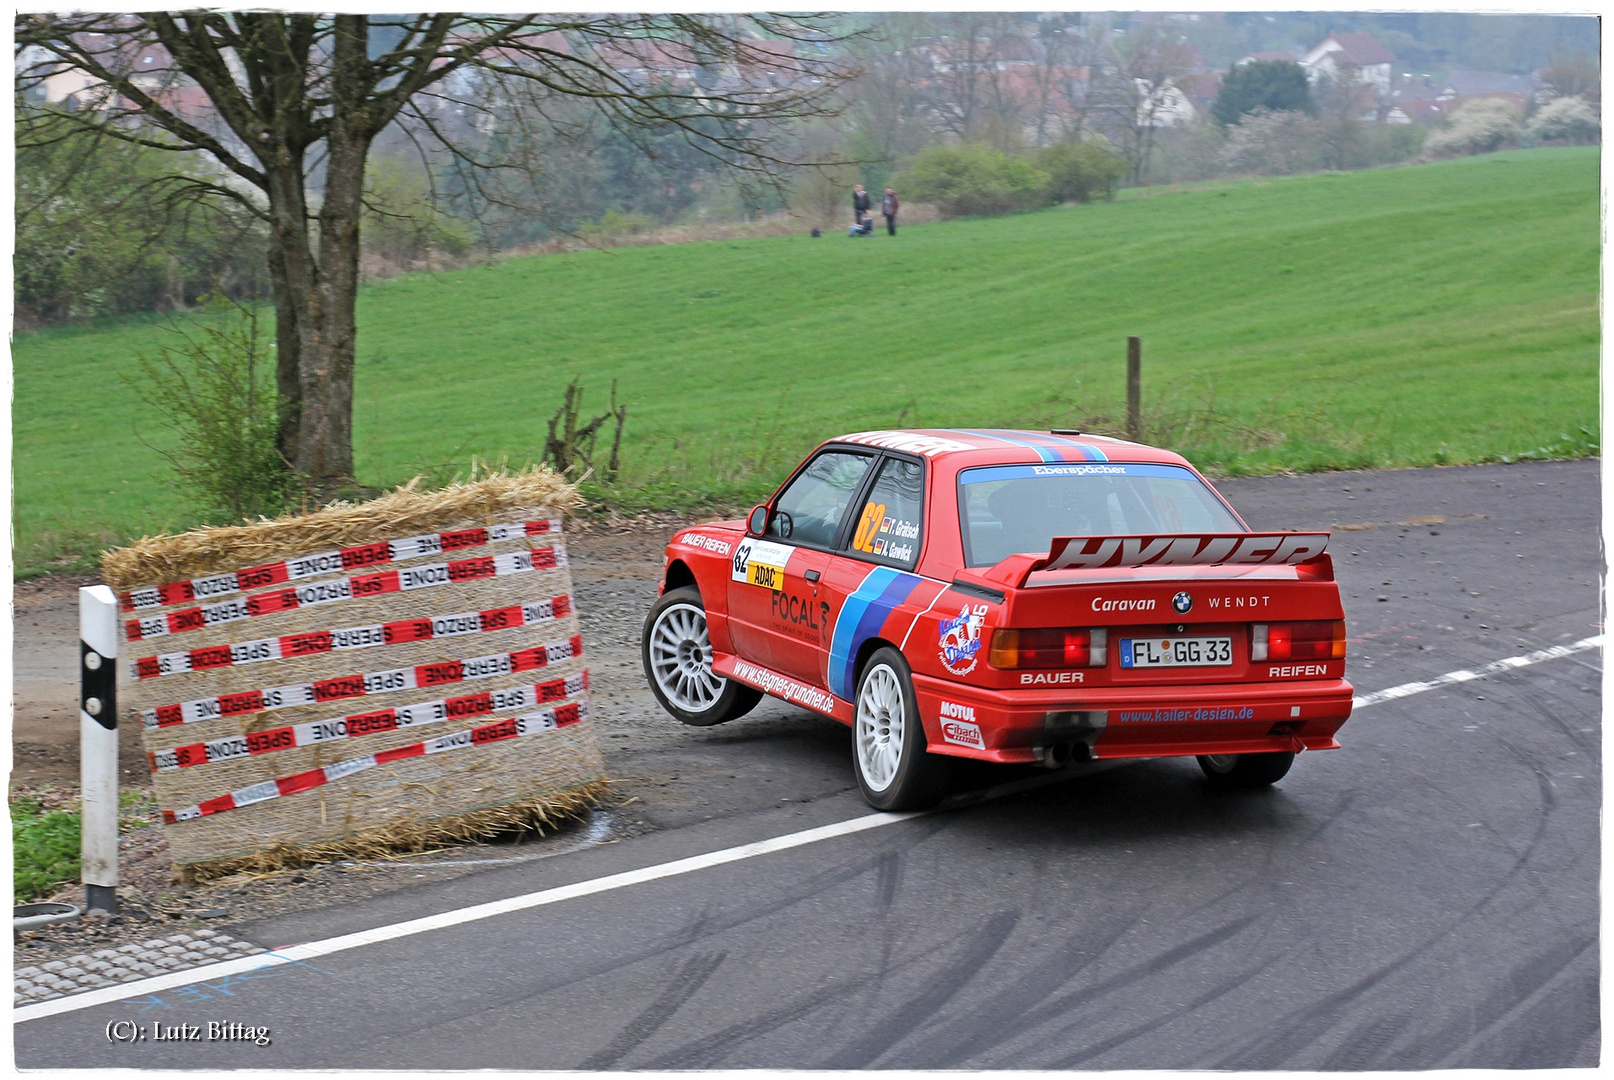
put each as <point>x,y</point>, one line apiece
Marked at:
<point>1056,756</point>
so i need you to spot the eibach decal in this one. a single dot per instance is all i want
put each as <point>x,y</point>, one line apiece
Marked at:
<point>340,589</point>
<point>312,642</point>
<point>357,725</point>
<point>533,723</point>
<point>368,684</point>
<point>330,562</point>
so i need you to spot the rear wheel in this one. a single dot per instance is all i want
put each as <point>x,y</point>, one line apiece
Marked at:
<point>677,655</point>
<point>893,768</point>
<point>1245,770</point>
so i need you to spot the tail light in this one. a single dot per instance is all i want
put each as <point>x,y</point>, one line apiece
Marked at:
<point>1048,649</point>
<point>1298,641</point>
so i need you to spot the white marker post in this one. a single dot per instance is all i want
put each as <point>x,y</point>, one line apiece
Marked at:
<point>98,745</point>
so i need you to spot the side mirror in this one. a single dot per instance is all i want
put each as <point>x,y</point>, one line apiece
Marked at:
<point>757,523</point>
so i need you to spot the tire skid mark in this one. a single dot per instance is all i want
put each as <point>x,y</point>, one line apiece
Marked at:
<point>1221,989</point>
<point>1526,985</point>
<point>1368,1043</point>
<point>1532,696</point>
<point>1308,1024</point>
<point>942,987</point>
<point>1560,1030</point>
<point>813,887</point>
<point>990,1022</point>
<point>684,985</point>
<point>1549,802</point>
<point>1059,1008</point>
<point>707,1051</point>
<point>888,879</point>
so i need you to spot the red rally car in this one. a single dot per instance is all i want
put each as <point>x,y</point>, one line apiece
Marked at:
<point>1009,596</point>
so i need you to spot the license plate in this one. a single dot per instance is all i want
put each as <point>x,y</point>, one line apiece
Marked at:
<point>1176,652</point>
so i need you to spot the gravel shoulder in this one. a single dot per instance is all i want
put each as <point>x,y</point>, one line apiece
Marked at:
<point>663,774</point>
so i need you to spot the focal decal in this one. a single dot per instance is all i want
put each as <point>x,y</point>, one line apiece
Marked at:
<point>800,615</point>
<point>960,639</point>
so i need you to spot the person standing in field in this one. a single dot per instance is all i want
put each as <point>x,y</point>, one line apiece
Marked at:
<point>888,207</point>
<point>860,203</point>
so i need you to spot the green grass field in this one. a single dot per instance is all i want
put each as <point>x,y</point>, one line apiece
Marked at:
<point>1407,316</point>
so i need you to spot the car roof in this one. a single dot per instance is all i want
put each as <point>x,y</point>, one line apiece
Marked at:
<point>984,446</point>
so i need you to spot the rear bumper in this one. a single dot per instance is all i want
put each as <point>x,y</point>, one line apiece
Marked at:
<point>1131,722</point>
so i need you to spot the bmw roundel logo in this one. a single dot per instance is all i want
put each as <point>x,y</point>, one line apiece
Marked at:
<point>1182,602</point>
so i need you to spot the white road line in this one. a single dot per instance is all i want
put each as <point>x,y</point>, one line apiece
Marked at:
<point>1451,678</point>
<point>312,949</point>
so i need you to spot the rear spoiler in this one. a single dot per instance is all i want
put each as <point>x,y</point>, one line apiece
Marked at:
<point>1175,549</point>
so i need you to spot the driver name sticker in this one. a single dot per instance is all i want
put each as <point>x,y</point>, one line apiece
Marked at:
<point>761,562</point>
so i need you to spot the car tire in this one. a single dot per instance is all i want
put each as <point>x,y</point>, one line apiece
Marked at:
<point>677,654</point>
<point>893,768</point>
<point>1245,770</point>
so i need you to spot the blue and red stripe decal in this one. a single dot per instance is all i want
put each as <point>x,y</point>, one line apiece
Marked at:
<point>863,616</point>
<point>1051,448</point>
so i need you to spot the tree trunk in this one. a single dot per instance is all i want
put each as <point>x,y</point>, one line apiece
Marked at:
<point>328,336</point>
<point>288,389</point>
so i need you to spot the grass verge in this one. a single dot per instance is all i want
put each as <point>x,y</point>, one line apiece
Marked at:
<point>45,837</point>
<point>1434,314</point>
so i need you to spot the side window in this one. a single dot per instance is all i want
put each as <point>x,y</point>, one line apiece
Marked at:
<point>816,500</point>
<point>890,526</point>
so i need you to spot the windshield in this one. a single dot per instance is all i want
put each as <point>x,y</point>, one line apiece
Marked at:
<point>1009,509</point>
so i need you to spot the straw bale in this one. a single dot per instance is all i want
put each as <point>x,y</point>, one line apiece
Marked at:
<point>539,814</point>
<point>159,560</point>
<point>463,793</point>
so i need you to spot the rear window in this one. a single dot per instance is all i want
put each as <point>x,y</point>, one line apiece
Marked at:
<point>1009,509</point>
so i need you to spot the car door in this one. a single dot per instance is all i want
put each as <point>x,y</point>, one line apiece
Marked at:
<point>777,615</point>
<point>871,576</point>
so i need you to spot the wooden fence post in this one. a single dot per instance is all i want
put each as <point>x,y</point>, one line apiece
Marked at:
<point>1134,388</point>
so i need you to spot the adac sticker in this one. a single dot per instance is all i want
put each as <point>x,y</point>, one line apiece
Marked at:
<point>761,562</point>
<point>960,639</point>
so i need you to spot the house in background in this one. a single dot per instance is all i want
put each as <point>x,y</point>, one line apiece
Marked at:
<point>1281,56</point>
<point>1358,57</point>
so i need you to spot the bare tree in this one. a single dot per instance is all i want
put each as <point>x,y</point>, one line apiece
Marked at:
<point>290,104</point>
<point>963,58</point>
<point>1138,89</point>
<point>887,107</point>
<point>1344,104</point>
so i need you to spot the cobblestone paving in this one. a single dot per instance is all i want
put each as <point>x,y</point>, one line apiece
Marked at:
<point>127,963</point>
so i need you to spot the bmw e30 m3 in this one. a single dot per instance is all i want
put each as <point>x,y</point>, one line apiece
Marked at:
<point>1008,596</point>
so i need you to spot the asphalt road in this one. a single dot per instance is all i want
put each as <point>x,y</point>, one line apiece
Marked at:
<point>1424,898</point>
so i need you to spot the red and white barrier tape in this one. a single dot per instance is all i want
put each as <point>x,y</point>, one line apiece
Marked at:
<point>320,692</point>
<point>513,727</point>
<point>314,642</point>
<point>355,725</point>
<point>330,562</point>
<point>355,636</point>
<point>358,587</point>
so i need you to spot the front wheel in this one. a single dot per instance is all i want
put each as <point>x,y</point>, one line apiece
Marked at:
<point>888,742</point>
<point>678,662</point>
<point>1245,770</point>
